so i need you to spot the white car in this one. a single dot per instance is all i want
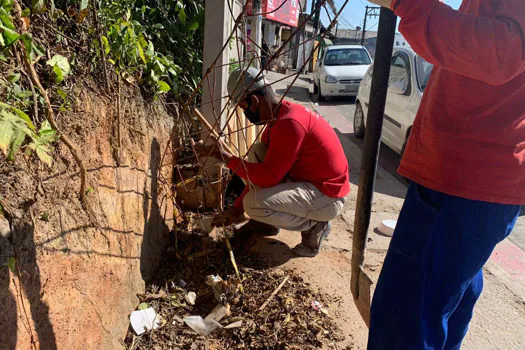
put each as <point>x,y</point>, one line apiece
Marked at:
<point>409,74</point>
<point>339,70</point>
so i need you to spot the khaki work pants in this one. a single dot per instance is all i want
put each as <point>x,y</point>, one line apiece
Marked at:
<point>293,206</point>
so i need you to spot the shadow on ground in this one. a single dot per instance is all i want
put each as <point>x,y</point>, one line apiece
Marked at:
<point>335,101</point>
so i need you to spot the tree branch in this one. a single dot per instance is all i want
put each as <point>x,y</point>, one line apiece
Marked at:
<point>50,115</point>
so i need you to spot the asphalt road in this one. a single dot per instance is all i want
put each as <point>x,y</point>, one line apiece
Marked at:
<point>345,107</point>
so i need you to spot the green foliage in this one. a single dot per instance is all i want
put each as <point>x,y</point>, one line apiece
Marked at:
<point>41,144</point>
<point>64,104</point>
<point>158,41</point>
<point>13,91</point>
<point>11,264</point>
<point>7,29</point>
<point>83,5</point>
<point>234,64</point>
<point>8,33</point>
<point>38,6</point>
<point>154,43</point>
<point>16,127</point>
<point>34,52</point>
<point>13,130</point>
<point>17,131</point>
<point>163,86</point>
<point>61,67</point>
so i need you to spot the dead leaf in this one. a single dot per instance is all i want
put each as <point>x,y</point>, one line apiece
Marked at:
<point>82,15</point>
<point>286,320</point>
<point>72,11</point>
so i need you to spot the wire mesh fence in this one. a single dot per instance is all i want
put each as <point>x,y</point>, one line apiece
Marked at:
<point>197,179</point>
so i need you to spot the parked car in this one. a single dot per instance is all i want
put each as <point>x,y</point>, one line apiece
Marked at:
<point>339,70</point>
<point>409,74</point>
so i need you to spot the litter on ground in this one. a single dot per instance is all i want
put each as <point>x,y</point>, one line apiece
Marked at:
<point>272,310</point>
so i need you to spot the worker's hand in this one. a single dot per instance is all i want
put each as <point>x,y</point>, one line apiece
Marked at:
<point>215,150</point>
<point>384,3</point>
<point>228,217</point>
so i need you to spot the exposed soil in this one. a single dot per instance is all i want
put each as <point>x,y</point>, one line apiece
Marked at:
<point>76,279</point>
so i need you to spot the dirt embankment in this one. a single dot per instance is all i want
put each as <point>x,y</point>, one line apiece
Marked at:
<point>77,278</point>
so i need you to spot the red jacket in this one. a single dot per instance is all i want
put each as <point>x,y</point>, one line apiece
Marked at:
<point>302,145</point>
<point>468,139</point>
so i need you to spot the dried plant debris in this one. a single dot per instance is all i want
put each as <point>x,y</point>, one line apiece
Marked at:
<point>232,318</point>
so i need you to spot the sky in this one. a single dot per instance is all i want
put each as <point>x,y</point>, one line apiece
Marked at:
<point>354,12</point>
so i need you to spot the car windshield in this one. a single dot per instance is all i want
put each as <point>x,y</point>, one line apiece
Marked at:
<point>346,57</point>
<point>423,70</point>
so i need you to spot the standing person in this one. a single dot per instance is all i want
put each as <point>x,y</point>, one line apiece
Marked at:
<point>466,160</point>
<point>297,176</point>
<point>265,55</point>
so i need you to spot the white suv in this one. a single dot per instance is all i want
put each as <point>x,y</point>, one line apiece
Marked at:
<point>339,70</point>
<point>409,74</point>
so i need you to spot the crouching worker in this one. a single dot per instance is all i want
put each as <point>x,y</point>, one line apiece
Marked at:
<point>297,177</point>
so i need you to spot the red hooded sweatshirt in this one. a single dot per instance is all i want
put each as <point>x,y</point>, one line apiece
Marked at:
<point>468,139</point>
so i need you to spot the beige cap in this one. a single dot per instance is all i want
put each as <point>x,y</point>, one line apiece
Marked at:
<point>241,82</point>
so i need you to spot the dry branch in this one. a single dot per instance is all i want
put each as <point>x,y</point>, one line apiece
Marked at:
<point>274,293</point>
<point>210,128</point>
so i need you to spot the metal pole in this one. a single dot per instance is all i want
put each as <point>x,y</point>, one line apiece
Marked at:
<point>257,27</point>
<point>374,124</point>
<point>317,17</point>
<point>317,20</point>
<point>363,31</point>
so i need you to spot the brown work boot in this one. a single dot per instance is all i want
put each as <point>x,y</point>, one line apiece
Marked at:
<point>313,239</point>
<point>258,228</point>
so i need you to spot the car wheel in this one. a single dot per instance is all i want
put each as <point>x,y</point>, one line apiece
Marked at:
<point>359,122</point>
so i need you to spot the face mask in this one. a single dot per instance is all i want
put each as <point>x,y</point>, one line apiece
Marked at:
<point>253,117</point>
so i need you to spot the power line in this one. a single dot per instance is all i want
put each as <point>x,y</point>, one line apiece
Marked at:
<point>331,11</point>
<point>349,25</point>
<point>370,11</point>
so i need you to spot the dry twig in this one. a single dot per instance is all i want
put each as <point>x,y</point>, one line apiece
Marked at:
<point>274,293</point>
<point>50,114</point>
